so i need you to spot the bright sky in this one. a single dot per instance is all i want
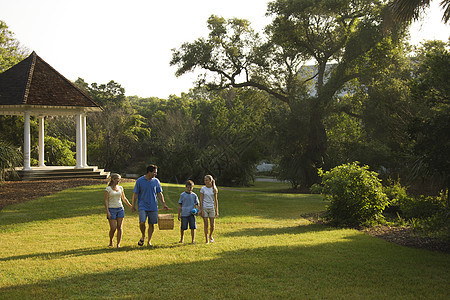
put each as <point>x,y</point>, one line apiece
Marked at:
<point>130,41</point>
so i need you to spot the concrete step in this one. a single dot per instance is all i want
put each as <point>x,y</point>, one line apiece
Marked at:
<point>56,177</point>
<point>46,173</point>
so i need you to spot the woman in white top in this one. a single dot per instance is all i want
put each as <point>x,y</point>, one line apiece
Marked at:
<point>209,207</point>
<point>114,209</point>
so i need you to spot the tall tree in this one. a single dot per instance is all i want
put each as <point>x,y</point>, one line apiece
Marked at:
<point>236,134</point>
<point>371,124</point>
<point>220,133</point>
<point>173,144</point>
<point>115,130</point>
<point>11,52</point>
<point>344,32</point>
<point>430,89</point>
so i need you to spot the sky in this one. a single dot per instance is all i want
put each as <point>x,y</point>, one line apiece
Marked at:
<point>130,41</point>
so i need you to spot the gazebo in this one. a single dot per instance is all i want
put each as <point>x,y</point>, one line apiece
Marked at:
<point>33,88</point>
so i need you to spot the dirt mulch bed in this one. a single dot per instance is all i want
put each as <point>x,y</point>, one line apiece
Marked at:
<point>405,236</point>
<point>21,191</point>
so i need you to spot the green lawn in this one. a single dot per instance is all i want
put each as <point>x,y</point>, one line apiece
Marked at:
<point>56,247</point>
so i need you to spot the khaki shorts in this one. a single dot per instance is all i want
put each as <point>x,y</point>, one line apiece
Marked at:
<point>209,213</point>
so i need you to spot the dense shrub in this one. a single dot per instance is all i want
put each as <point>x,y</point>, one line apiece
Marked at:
<point>428,215</point>
<point>421,207</point>
<point>355,195</point>
<point>58,152</point>
<point>396,195</point>
<point>10,157</point>
<point>437,225</point>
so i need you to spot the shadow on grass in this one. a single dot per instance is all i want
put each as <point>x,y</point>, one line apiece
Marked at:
<point>341,269</point>
<point>264,231</point>
<point>101,250</point>
<point>87,251</point>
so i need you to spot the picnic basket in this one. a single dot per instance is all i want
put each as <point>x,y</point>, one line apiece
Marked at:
<point>165,221</point>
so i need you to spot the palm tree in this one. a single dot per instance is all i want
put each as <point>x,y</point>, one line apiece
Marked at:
<point>406,11</point>
<point>10,157</point>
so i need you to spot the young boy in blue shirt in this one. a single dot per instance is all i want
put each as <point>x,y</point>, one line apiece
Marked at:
<point>188,201</point>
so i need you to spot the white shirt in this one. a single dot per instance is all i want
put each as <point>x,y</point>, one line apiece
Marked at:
<point>208,197</point>
<point>115,197</point>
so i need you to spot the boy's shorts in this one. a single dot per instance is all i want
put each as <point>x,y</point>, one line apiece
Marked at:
<point>152,216</point>
<point>209,212</point>
<point>116,212</point>
<point>188,220</point>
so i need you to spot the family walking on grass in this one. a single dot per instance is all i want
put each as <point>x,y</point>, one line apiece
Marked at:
<point>147,191</point>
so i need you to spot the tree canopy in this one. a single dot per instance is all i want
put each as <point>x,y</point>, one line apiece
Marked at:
<point>11,52</point>
<point>325,84</point>
<point>338,37</point>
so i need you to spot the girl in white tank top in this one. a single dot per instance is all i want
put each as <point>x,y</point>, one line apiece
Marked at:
<point>209,206</point>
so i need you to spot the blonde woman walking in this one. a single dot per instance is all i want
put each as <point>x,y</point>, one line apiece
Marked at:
<point>114,209</point>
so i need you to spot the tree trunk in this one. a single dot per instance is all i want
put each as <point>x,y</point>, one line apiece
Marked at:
<point>316,147</point>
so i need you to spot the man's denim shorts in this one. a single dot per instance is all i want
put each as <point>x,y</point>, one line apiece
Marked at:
<point>152,216</point>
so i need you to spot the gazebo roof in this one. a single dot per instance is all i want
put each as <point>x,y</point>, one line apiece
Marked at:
<point>35,86</point>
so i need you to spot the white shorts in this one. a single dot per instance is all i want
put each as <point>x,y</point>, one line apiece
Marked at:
<point>209,212</point>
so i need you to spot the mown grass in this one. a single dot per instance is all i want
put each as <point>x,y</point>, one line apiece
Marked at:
<point>56,247</point>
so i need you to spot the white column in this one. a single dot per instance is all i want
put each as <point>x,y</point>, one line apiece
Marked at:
<point>26,142</point>
<point>84,137</point>
<point>79,146</point>
<point>41,141</point>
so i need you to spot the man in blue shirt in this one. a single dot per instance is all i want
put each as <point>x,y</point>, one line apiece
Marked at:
<point>146,191</point>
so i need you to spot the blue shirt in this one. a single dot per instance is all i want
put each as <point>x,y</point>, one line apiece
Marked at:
<point>188,202</point>
<point>146,191</point>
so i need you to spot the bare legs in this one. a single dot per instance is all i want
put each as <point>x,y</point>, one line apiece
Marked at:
<point>192,236</point>
<point>151,228</point>
<point>112,231</point>
<point>212,222</point>
<point>211,229</point>
<point>113,226</point>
